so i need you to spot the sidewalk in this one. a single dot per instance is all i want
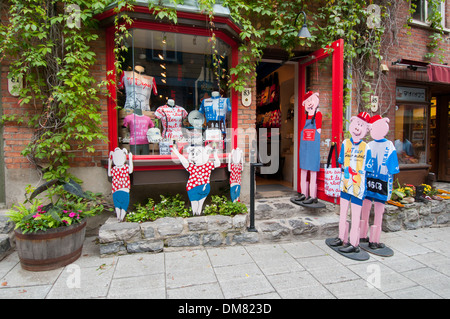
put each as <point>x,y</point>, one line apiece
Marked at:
<point>420,268</point>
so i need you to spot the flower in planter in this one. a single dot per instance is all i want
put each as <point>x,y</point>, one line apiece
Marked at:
<point>61,210</point>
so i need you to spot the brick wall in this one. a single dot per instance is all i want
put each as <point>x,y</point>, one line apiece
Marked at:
<point>16,137</point>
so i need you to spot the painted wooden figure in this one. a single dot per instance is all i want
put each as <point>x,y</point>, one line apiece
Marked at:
<point>235,167</point>
<point>355,159</point>
<point>309,153</point>
<point>199,168</point>
<point>120,174</point>
<point>379,184</point>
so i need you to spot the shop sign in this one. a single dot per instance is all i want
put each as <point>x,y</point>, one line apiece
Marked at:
<point>410,94</point>
<point>247,97</point>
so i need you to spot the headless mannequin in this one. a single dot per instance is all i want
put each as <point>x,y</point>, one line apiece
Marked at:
<point>171,117</point>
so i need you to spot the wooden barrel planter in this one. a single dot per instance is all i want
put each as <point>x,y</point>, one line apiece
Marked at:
<point>51,249</point>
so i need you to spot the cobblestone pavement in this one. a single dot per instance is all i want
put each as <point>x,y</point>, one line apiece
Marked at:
<point>420,268</point>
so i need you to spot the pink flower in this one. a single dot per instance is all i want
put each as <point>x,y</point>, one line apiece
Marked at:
<point>36,216</point>
<point>72,214</point>
<point>64,221</point>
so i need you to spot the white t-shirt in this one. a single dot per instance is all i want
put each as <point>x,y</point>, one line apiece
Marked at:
<point>138,89</point>
<point>171,119</point>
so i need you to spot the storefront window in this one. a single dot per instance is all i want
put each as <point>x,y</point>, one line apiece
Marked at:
<point>173,91</point>
<point>411,133</point>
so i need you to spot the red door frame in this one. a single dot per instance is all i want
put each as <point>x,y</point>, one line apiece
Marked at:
<point>336,50</point>
<point>111,76</point>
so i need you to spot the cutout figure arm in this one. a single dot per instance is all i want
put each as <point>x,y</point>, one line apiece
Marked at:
<point>182,159</point>
<point>130,163</point>
<point>110,163</point>
<point>216,159</point>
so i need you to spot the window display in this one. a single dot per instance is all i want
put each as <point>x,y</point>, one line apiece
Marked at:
<point>166,76</point>
<point>410,133</point>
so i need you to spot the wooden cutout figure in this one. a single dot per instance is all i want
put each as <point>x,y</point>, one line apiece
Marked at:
<point>355,159</point>
<point>380,181</point>
<point>199,168</point>
<point>235,167</point>
<point>309,159</point>
<point>120,174</point>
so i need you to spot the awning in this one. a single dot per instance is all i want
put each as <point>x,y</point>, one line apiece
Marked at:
<point>438,73</point>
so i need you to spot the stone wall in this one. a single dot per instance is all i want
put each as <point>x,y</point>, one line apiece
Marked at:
<point>216,230</point>
<point>416,215</point>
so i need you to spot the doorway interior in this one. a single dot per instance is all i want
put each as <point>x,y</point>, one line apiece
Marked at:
<point>439,136</point>
<point>275,112</point>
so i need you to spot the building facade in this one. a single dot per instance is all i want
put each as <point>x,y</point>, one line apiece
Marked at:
<point>169,78</point>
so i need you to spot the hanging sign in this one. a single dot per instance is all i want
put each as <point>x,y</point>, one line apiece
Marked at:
<point>410,94</point>
<point>14,86</point>
<point>247,97</point>
<point>374,103</point>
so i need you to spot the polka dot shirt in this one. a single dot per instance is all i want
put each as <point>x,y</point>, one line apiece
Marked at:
<point>199,175</point>
<point>120,177</point>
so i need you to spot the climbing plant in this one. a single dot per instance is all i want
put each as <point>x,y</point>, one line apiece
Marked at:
<point>48,44</point>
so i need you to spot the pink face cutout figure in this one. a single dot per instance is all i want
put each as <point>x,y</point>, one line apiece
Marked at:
<point>359,126</point>
<point>379,128</point>
<point>311,102</point>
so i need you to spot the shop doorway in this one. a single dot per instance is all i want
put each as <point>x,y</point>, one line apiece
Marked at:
<point>275,123</point>
<point>439,137</point>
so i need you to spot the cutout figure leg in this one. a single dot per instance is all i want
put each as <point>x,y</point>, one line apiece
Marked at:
<point>303,182</point>
<point>313,184</point>
<point>123,212</point>
<point>117,209</point>
<point>378,220</point>
<point>356,219</point>
<point>343,220</point>
<point>365,213</point>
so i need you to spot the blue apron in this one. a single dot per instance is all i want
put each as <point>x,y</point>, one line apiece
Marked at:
<point>310,149</point>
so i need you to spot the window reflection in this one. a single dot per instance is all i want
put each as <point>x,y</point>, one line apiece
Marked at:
<point>410,133</point>
<point>173,90</point>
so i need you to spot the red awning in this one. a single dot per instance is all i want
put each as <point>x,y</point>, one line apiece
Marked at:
<point>438,73</point>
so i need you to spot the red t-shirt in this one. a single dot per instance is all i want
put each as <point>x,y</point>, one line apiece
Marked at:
<point>199,175</point>
<point>120,177</point>
<point>235,174</point>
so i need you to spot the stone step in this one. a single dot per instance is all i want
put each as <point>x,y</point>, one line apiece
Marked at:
<point>278,219</point>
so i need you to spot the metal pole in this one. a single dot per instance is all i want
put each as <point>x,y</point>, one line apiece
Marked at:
<point>252,196</point>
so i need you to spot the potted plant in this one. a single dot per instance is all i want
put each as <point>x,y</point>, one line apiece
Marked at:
<point>50,231</point>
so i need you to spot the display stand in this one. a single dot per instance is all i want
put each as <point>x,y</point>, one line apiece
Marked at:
<point>382,252</point>
<point>362,255</point>
<point>299,202</point>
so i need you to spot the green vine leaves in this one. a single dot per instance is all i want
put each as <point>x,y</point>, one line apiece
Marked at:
<point>49,45</point>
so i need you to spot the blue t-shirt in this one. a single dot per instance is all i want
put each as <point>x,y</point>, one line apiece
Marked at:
<point>385,165</point>
<point>215,108</point>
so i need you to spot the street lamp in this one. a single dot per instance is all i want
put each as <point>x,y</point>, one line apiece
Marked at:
<point>304,32</point>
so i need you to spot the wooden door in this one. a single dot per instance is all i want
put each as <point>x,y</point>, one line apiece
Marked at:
<point>443,122</point>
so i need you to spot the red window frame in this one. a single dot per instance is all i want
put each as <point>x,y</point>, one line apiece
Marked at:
<point>337,105</point>
<point>160,162</point>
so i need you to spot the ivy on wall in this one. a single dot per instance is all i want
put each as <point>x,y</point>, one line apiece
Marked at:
<point>49,44</point>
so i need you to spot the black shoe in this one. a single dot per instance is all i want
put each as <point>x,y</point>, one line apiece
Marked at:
<point>300,198</point>
<point>349,249</point>
<point>376,245</point>
<point>336,242</point>
<point>364,240</point>
<point>310,200</point>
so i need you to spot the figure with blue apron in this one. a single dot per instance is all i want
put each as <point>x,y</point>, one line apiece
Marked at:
<point>309,160</point>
